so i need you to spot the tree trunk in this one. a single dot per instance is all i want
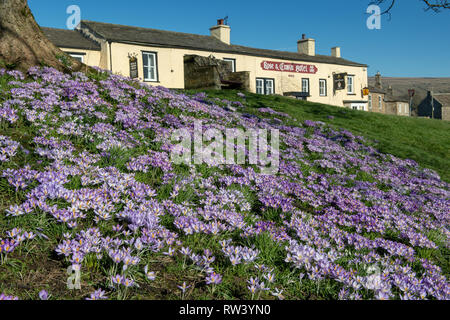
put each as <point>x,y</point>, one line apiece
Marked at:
<point>23,44</point>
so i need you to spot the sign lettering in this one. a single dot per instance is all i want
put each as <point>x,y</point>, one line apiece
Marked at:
<point>289,67</point>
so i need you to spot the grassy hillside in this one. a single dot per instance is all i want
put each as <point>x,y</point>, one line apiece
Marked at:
<point>87,183</point>
<point>423,140</point>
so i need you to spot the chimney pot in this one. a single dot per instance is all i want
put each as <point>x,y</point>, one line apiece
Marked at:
<point>303,36</point>
<point>378,83</point>
<point>336,52</point>
<point>221,31</point>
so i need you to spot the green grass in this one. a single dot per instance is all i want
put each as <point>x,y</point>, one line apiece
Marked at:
<point>426,141</point>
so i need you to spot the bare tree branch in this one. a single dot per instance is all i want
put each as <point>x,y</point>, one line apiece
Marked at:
<point>435,5</point>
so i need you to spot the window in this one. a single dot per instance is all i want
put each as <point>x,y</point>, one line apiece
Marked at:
<point>233,63</point>
<point>265,86</point>
<point>350,84</point>
<point>323,87</point>
<point>77,56</point>
<point>150,66</point>
<point>379,102</point>
<point>370,101</point>
<point>305,85</point>
<point>355,107</point>
<point>260,86</point>
<point>269,86</point>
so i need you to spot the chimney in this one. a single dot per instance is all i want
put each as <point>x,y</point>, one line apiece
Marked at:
<point>221,31</point>
<point>378,81</point>
<point>336,52</point>
<point>306,46</point>
<point>390,91</point>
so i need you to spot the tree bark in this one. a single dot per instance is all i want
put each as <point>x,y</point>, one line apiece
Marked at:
<point>23,44</point>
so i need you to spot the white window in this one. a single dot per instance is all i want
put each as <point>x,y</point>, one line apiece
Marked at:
<point>265,86</point>
<point>379,102</point>
<point>269,86</point>
<point>150,67</point>
<point>350,84</point>
<point>322,87</point>
<point>233,63</point>
<point>77,56</point>
<point>305,85</point>
<point>259,86</point>
<point>355,107</point>
<point>370,102</point>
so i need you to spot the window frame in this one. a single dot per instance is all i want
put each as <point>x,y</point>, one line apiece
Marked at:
<point>370,102</point>
<point>324,81</point>
<point>309,86</point>
<point>76,55</point>
<point>233,63</point>
<point>380,103</point>
<point>261,80</point>
<point>351,76</point>
<point>273,86</point>
<point>264,85</point>
<point>155,54</point>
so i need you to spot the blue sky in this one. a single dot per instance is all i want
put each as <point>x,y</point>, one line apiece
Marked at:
<point>413,43</point>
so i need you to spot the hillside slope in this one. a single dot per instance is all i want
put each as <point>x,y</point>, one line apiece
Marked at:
<point>87,183</point>
<point>423,140</point>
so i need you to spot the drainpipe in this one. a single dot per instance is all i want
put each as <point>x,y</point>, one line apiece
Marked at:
<point>110,56</point>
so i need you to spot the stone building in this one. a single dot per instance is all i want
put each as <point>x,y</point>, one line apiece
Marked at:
<point>384,101</point>
<point>436,106</point>
<point>160,60</point>
<point>396,105</point>
<point>376,100</point>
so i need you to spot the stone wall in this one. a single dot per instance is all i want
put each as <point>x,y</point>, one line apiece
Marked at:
<point>446,113</point>
<point>243,78</point>
<point>211,73</point>
<point>375,103</point>
<point>391,108</point>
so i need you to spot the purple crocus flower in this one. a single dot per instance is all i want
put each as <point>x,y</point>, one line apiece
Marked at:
<point>214,278</point>
<point>43,295</point>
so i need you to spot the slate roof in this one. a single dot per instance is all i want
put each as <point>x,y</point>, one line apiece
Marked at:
<point>389,98</point>
<point>145,36</point>
<point>70,39</point>
<point>442,98</point>
<point>373,89</point>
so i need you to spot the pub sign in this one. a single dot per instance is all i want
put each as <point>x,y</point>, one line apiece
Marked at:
<point>339,81</point>
<point>134,68</point>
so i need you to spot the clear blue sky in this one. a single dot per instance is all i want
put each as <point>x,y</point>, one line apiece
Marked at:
<point>413,43</point>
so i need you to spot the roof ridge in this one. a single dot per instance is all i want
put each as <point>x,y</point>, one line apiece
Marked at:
<point>59,29</point>
<point>206,42</point>
<point>146,28</point>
